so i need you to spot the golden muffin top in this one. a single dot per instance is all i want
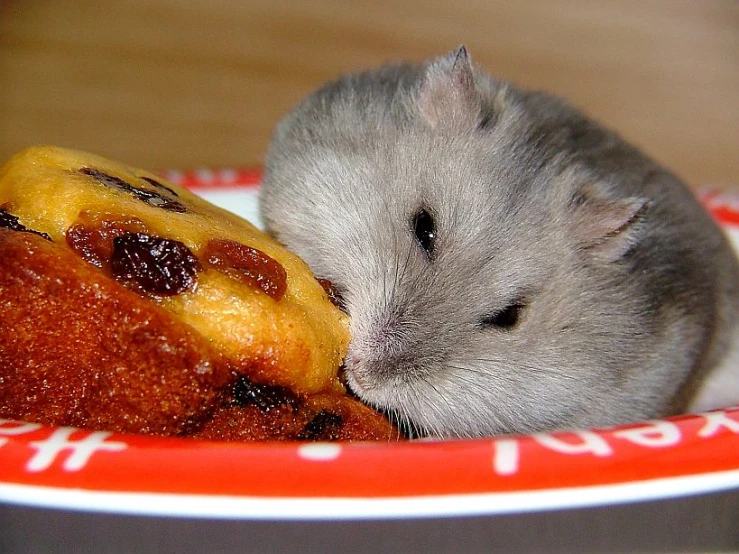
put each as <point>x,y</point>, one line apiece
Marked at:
<point>250,297</point>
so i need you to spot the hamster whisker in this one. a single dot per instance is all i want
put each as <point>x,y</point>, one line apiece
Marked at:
<point>478,373</point>
<point>478,388</point>
<point>406,424</point>
<point>439,394</point>
<point>473,370</point>
<point>534,368</point>
<point>399,422</point>
<point>458,413</point>
<point>426,424</point>
<point>469,376</point>
<point>400,416</point>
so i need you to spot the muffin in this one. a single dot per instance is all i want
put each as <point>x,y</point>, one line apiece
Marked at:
<point>129,304</point>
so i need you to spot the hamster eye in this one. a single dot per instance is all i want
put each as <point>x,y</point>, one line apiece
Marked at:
<point>425,230</point>
<point>506,318</point>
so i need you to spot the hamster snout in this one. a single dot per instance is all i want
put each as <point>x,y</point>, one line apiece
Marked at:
<point>509,265</point>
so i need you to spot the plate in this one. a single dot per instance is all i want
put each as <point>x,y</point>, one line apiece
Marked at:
<point>130,474</point>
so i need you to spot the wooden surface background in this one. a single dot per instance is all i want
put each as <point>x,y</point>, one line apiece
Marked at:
<point>183,83</point>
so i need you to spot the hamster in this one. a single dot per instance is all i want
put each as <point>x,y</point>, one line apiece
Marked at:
<point>509,265</point>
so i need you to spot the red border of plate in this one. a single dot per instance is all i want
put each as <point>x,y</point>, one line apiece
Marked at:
<point>91,470</point>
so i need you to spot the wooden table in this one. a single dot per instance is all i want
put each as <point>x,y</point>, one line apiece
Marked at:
<point>182,83</point>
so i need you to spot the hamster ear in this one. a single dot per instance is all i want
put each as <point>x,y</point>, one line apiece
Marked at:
<point>447,96</point>
<point>608,229</point>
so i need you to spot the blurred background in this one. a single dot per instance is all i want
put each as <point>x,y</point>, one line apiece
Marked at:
<point>185,83</point>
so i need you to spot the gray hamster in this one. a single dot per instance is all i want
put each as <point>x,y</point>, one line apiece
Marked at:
<point>509,265</point>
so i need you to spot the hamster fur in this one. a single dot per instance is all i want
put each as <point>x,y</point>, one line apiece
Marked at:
<point>509,265</point>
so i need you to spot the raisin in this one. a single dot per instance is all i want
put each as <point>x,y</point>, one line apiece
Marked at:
<point>325,425</point>
<point>91,236</point>
<point>159,185</point>
<point>247,264</point>
<point>265,397</point>
<point>155,265</point>
<point>9,221</point>
<point>333,294</point>
<point>153,198</point>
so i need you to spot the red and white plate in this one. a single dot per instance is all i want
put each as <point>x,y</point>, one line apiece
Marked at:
<point>127,474</point>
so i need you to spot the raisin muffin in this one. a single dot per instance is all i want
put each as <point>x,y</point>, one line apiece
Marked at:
<point>130,304</point>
